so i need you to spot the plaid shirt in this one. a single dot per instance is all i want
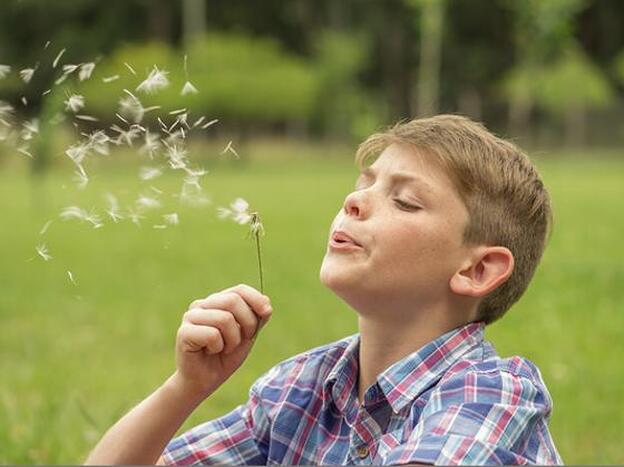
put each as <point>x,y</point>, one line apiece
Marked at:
<point>454,401</point>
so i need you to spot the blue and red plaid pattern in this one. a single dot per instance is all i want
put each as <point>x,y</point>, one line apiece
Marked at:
<point>454,401</point>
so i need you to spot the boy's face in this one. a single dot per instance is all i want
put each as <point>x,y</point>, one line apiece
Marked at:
<point>409,230</point>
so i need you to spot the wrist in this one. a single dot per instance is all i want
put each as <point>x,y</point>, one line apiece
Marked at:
<point>188,391</point>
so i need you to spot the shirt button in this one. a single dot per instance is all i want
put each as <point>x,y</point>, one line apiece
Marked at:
<point>362,451</point>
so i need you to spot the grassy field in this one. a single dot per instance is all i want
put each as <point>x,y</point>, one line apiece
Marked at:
<point>75,357</point>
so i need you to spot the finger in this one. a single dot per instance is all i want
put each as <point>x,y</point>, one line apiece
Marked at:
<point>224,321</point>
<point>236,305</point>
<point>261,304</point>
<point>193,338</point>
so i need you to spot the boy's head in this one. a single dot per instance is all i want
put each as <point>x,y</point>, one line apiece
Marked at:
<point>475,231</point>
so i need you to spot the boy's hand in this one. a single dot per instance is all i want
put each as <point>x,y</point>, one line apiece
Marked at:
<point>216,335</point>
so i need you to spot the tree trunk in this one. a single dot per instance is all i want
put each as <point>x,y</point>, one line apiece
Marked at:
<point>193,19</point>
<point>431,25</point>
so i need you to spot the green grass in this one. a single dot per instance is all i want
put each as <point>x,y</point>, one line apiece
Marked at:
<point>74,358</point>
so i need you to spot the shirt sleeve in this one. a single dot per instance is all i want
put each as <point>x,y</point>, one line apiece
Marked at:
<point>240,437</point>
<point>481,418</point>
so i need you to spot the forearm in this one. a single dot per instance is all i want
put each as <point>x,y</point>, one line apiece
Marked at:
<point>141,435</point>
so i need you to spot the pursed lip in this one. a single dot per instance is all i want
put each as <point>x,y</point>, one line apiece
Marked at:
<point>342,239</point>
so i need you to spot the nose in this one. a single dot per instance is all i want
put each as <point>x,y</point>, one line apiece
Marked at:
<point>354,205</point>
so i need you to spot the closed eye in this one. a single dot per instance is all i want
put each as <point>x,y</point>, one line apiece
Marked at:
<point>406,206</point>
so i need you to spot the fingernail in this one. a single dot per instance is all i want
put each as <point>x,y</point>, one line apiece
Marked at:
<point>268,309</point>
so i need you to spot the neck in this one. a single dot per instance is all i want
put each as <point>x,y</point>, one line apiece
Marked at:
<point>386,338</point>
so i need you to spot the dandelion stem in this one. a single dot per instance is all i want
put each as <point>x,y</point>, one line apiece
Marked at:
<point>257,229</point>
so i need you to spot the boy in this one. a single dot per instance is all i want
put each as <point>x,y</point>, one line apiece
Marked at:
<point>440,237</point>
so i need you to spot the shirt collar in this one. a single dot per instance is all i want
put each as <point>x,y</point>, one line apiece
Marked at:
<point>404,380</point>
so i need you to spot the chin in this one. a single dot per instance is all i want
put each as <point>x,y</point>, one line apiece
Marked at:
<point>337,278</point>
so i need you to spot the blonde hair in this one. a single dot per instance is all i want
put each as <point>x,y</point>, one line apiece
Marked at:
<point>505,197</point>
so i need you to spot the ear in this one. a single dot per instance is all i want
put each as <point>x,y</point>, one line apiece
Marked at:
<point>489,267</point>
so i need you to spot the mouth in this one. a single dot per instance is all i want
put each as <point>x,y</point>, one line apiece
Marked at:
<point>341,240</point>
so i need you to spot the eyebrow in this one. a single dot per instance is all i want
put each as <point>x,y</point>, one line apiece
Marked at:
<point>398,177</point>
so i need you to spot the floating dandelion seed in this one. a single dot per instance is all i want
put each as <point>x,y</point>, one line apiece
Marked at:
<point>47,44</point>
<point>6,110</point>
<point>155,81</point>
<point>85,71</point>
<point>149,173</point>
<point>230,148</point>
<point>210,123</point>
<point>46,92</point>
<point>110,79</point>
<point>177,157</point>
<point>135,217</point>
<point>81,178</point>
<point>130,68</point>
<point>147,202</point>
<point>61,79</point>
<point>24,101</point>
<point>171,219</point>
<point>131,107</point>
<point>42,250</point>
<point>74,103</point>
<point>113,211</point>
<point>58,57</point>
<point>151,145</point>
<point>99,142</point>
<point>69,68</point>
<point>71,277</point>
<point>45,227</point>
<point>188,89</point>
<point>4,71</point>
<point>74,212</point>
<point>26,74</point>
<point>87,118</point>
<point>25,152</point>
<point>29,129</point>
<point>78,152</point>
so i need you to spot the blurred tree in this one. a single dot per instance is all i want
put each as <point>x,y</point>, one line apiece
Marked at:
<point>542,29</point>
<point>194,19</point>
<point>431,28</point>
<point>343,107</point>
<point>571,86</point>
